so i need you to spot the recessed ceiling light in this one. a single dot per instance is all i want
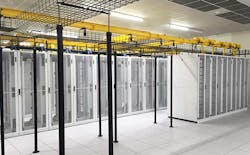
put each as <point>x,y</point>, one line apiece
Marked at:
<point>126,16</point>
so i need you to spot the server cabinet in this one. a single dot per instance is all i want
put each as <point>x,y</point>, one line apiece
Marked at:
<point>122,85</point>
<point>104,86</point>
<point>242,89</point>
<point>207,86</point>
<point>201,107</point>
<point>53,89</point>
<point>27,90</point>
<point>234,85</point>
<point>219,85</point>
<point>149,82</point>
<point>222,86</point>
<point>84,87</point>
<point>10,91</point>
<point>238,89</point>
<point>224,82</point>
<point>162,77</point>
<point>136,84</point>
<point>213,85</point>
<point>230,84</point>
<point>246,82</point>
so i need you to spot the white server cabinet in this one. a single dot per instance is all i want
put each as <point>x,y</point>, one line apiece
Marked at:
<point>10,92</point>
<point>85,95</point>
<point>104,85</point>
<point>208,86</point>
<point>162,81</point>
<point>149,83</point>
<point>135,88</point>
<point>53,89</point>
<point>122,85</point>
<point>26,90</point>
<point>136,66</point>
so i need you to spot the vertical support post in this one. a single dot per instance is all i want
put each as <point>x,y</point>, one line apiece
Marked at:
<point>99,94</point>
<point>171,91</point>
<point>60,89</point>
<point>35,100</point>
<point>110,106</point>
<point>155,102</point>
<point>115,97</point>
<point>1,103</point>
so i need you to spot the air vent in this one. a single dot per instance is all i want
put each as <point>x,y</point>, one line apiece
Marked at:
<point>238,12</point>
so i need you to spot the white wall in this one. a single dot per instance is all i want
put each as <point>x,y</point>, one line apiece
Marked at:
<point>242,38</point>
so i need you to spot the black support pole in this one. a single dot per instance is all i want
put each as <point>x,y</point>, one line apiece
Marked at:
<point>115,93</point>
<point>1,103</point>
<point>171,91</point>
<point>35,101</point>
<point>155,101</point>
<point>99,94</point>
<point>110,107</point>
<point>60,89</point>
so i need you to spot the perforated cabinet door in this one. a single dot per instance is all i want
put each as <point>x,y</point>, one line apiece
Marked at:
<point>224,97</point>
<point>219,85</point>
<point>149,83</point>
<point>229,83</point>
<point>27,94</point>
<point>242,83</point>
<point>201,86</point>
<point>136,84</point>
<point>84,87</point>
<point>238,84</point>
<point>162,83</point>
<point>213,86</point>
<point>53,76</point>
<point>207,86</point>
<point>41,90</point>
<point>234,85</point>
<point>121,85</point>
<point>9,92</point>
<point>246,82</point>
<point>104,86</point>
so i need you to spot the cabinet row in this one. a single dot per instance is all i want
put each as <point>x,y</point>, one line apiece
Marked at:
<point>135,88</point>
<point>210,86</point>
<point>223,83</point>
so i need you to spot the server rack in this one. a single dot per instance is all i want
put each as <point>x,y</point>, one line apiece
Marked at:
<point>221,83</point>
<point>53,89</point>
<point>149,83</point>
<point>136,84</point>
<point>10,92</point>
<point>84,73</point>
<point>26,93</point>
<point>80,88</point>
<point>162,82</point>
<point>122,85</point>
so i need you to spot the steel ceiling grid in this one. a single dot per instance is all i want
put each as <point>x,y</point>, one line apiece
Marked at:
<point>65,12</point>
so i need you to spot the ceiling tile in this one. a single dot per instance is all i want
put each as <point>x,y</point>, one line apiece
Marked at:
<point>183,1</point>
<point>198,4</point>
<point>208,8</point>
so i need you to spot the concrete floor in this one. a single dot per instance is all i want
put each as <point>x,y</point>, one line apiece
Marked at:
<point>139,136</point>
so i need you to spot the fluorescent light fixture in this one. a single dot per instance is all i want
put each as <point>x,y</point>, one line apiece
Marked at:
<point>178,27</point>
<point>126,16</point>
<point>54,34</point>
<point>5,41</point>
<point>25,44</point>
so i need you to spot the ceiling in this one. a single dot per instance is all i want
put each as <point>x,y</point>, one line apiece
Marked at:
<point>158,13</point>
